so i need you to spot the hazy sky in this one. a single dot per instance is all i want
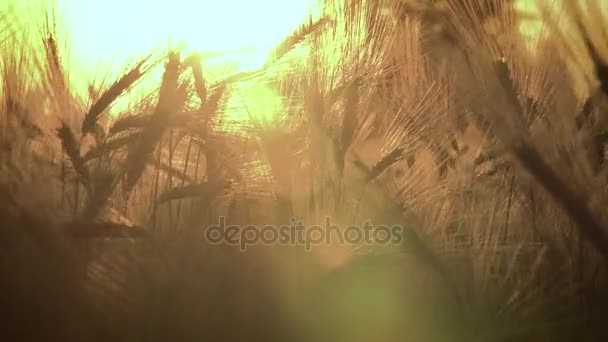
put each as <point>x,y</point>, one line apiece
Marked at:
<point>99,29</point>
<point>107,32</point>
<point>103,34</point>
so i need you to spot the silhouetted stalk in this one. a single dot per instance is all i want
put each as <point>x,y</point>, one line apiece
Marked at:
<point>508,214</point>
<point>125,201</point>
<point>197,163</point>
<point>156,184</point>
<point>62,177</point>
<point>170,176</point>
<point>106,99</point>
<point>533,213</point>
<point>575,206</point>
<point>185,170</point>
<point>76,196</point>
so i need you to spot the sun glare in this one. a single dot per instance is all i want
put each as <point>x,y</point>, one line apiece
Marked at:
<point>237,31</point>
<point>230,35</point>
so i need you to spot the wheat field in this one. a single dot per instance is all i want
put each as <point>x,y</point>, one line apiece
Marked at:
<point>484,142</point>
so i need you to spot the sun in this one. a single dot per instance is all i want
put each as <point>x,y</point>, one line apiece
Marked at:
<point>104,37</point>
<point>241,31</point>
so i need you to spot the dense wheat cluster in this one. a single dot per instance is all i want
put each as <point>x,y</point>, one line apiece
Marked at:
<point>440,116</point>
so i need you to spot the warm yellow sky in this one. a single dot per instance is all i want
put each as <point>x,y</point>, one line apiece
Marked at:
<point>102,28</point>
<point>101,31</point>
<point>103,35</point>
<point>105,31</point>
